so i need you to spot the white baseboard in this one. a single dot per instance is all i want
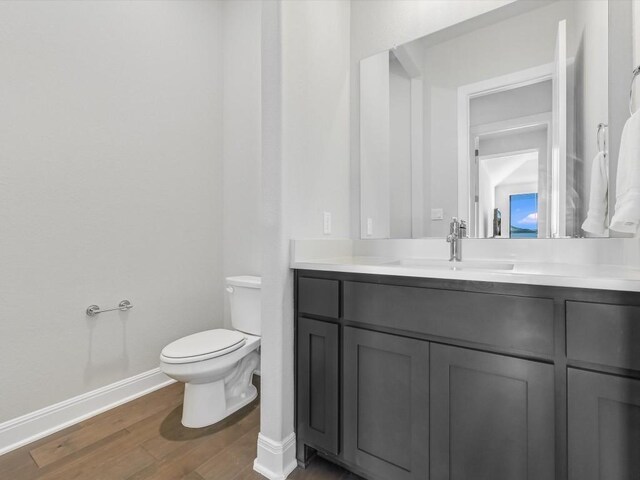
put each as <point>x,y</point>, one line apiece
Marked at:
<point>276,460</point>
<point>35,425</point>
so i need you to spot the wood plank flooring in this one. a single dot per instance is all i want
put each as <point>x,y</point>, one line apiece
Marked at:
<point>144,440</point>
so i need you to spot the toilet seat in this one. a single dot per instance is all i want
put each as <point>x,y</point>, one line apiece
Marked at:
<point>203,346</point>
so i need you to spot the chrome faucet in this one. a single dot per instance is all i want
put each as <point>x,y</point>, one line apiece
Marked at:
<point>457,231</point>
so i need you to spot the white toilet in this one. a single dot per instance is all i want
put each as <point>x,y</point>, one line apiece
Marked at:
<point>217,365</point>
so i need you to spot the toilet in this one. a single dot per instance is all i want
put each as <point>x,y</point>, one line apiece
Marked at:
<point>217,366</point>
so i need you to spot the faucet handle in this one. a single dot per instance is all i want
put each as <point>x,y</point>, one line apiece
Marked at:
<point>454,225</point>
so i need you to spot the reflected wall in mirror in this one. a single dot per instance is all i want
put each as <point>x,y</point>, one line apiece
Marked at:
<point>493,120</point>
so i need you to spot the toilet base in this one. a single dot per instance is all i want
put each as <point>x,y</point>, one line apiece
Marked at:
<point>209,403</point>
<point>236,403</point>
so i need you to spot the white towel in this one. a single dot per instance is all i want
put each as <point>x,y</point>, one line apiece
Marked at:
<point>598,199</point>
<point>627,213</point>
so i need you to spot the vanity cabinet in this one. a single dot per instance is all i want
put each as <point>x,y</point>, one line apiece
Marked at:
<point>318,383</point>
<point>604,426</point>
<point>604,334</point>
<point>386,404</point>
<point>402,378</point>
<point>492,416</point>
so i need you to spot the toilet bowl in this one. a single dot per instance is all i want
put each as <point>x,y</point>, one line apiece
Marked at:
<point>217,366</point>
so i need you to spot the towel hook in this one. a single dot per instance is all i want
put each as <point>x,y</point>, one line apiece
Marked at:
<point>636,72</point>
<point>602,134</point>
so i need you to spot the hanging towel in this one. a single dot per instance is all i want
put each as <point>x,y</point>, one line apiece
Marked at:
<point>598,200</point>
<point>627,213</point>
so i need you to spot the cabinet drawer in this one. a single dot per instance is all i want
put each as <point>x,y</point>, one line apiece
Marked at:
<point>520,323</point>
<point>318,296</point>
<point>604,334</point>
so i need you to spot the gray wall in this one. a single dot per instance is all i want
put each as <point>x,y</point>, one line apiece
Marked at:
<point>110,178</point>
<point>511,104</point>
<point>400,209</point>
<point>242,151</point>
<point>378,26</point>
<point>620,69</point>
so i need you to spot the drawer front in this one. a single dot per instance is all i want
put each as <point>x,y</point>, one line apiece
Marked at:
<point>520,323</point>
<point>318,296</point>
<point>604,334</point>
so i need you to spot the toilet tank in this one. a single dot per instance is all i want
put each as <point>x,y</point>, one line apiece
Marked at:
<point>244,297</point>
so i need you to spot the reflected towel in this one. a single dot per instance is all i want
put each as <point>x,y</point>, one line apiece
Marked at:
<point>598,200</point>
<point>627,213</point>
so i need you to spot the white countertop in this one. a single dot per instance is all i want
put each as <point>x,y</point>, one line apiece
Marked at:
<point>602,277</point>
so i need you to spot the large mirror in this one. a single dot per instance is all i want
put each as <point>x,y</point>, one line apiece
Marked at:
<point>497,121</point>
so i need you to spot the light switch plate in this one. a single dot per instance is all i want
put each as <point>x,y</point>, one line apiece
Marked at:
<point>437,214</point>
<point>369,226</point>
<point>327,223</point>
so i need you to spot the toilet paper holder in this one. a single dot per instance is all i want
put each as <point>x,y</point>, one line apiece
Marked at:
<point>123,306</point>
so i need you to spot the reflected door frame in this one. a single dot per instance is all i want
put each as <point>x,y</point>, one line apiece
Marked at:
<point>536,121</point>
<point>542,120</point>
<point>466,148</point>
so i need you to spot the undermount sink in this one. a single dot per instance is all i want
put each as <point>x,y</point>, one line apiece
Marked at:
<point>446,264</point>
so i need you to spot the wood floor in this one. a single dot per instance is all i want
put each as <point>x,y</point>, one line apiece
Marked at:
<point>144,439</point>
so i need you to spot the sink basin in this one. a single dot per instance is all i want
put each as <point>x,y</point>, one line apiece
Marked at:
<point>445,264</point>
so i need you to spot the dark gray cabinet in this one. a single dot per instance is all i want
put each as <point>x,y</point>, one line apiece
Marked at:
<point>386,404</point>
<point>604,334</point>
<point>492,416</point>
<point>318,296</point>
<point>505,321</point>
<point>403,378</point>
<point>318,383</point>
<point>604,426</point>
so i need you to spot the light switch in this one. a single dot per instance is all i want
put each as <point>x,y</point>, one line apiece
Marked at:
<point>437,214</point>
<point>327,223</point>
<point>369,226</point>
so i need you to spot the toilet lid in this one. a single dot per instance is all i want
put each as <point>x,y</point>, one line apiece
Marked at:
<point>203,345</point>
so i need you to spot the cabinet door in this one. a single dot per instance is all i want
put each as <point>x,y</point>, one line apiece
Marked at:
<point>318,384</point>
<point>492,417</point>
<point>604,427</point>
<point>386,404</point>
